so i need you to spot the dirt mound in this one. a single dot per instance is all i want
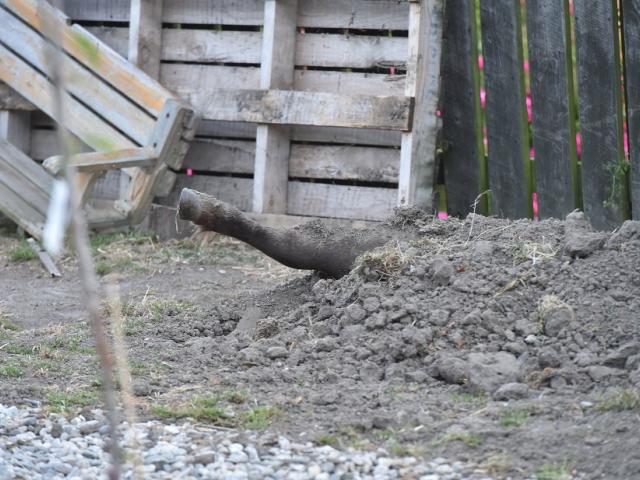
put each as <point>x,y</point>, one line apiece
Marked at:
<point>499,307</point>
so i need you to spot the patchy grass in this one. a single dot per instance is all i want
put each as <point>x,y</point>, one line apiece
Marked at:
<point>470,439</point>
<point>476,400</point>
<point>19,349</point>
<point>515,418</point>
<point>168,308</point>
<point>71,400</point>
<point>22,253</point>
<point>258,418</point>
<point>553,472</point>
<point>326,439</point>
<point>209,409</point>
<point>620,401</point>
<point>11,371</point>
<point>6,324</point>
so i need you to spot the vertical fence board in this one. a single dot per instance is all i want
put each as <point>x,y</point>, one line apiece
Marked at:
<point>603,191</point>
<point>553,116</point>
<point>461,129</point>
<point>631,25</point>
<point>418,148</point>
<point>509,164</point>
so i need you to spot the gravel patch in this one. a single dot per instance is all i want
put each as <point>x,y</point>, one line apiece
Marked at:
<point>38,445</point>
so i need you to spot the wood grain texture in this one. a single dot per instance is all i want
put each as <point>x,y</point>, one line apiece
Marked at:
<point>509,163</point>
<point>631,21</point>
<point>272,141</point>
<point>554,133</point>
<point>308,199</point>
<point>368,164</point>
<point>318,50</point>
<point>80,82</point>
<point>15,127</point>
<point>463,157</point>
<point>418,150</point>
<point>145,35</point>
<point>604,193</point>
<point>357,14</point>
<point>334,135</point>
<point>93,162</point>
<point>81,121</point>
<point>306,108</point>
<point>12,100</point>
<point>97,57</point>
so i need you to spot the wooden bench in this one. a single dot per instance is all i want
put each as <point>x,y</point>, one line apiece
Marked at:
<point>131,121</point>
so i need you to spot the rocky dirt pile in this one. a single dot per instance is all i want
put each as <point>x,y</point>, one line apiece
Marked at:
<point>502,308</point>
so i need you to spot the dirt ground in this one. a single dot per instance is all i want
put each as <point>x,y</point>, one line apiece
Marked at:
<point>512,344</point>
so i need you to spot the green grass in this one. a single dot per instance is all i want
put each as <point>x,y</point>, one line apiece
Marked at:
<point>471,440</point>
<point>477,400</point>
<point>18,349</point>
<point>326,439</point>
<point>515,418</point>
<point>22,253</point>
<point>66,401</point>
<point>71,343</point>
<point>553,472</point>
<point>208,409</point>
<point>623,400</point>
<point>11,371</point>
<point>162,308</point>
<point>259,418</point>
<point>6,324</point>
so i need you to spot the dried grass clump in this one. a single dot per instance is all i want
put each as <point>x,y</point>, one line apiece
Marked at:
<point>383,263</point>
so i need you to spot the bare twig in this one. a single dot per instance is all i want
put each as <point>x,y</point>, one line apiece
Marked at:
<point>475,207</point>
<point>80,236</point>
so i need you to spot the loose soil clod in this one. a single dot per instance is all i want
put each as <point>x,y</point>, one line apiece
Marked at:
<point>448,341</point>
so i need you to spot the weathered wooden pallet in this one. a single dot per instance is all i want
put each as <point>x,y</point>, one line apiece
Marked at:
<point>130,121</point>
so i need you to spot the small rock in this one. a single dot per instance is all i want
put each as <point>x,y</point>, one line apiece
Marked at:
<point>370,372</point>
<point>548,358</point>
<point>555,315</point>
<point>371,304</point>
<point>524,327</point>
<point>277,352</point>
<point>90,427</point>
<point>585,358</point>
<point>483,249</point>
<point>56,430</point>
<point>439,317</point>
<point>451,369</point>
<point>489,371</point>
<point>325,398</point>
<point>580,241</point>
<point>599,373</point>
<point>416,376</point>
<point>441,271</point>
<point>618,358</point>
<point>511,391</point>
<point>356,313</point>
<point>205,458</point>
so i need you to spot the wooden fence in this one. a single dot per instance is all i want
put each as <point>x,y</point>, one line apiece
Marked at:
<point>538,101</point>
<point>345,151</point>
<point>538,98</point>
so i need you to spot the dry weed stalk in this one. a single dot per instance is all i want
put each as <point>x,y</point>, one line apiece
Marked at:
<point>80,235</point>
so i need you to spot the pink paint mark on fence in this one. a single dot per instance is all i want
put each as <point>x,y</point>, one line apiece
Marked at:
<point>536,211</point>
<point>443,215</point>
<point>483,98</point>
<point>480,62</point>
<point>189,172</point>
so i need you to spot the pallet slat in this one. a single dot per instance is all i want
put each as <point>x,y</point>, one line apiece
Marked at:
<point>306,108</point>
<point>631,28</point>
<point>85,48</point>
<point>79,81</point>
<point>603,191</point>
<point>463,158</point>
<point>509,164</point>
<point>80,120</point>
<point>303,198</point>
<point>556,161</point>
<point>357,14</point>
<point>367,164</point>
